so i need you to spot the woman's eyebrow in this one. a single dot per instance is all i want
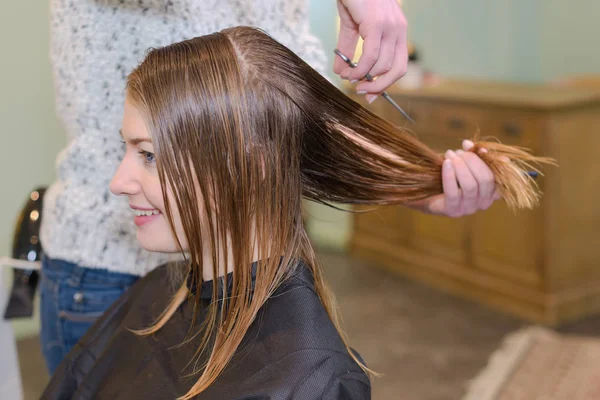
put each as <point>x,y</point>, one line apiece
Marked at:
<point>136,141</point>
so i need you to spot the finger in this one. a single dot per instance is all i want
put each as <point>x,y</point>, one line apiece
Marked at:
<point>437,205</point>
<point>347,41</point>
<point>452,193</point>
<point>386,80</point>
<point>396,29</point>
<point>371,98</point>
<point>370,54</point>
<point>495,197</point>
<point>483,175</point>
<point>467,145</point>
<point>468,185</point>
<point>387,53</point>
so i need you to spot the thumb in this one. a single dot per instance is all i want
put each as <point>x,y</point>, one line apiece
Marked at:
<point>436,205</point>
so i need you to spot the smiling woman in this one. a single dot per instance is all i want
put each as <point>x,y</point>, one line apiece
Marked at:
<point>242,129</point>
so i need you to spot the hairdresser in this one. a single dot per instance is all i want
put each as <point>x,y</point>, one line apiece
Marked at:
<point>88,235</point>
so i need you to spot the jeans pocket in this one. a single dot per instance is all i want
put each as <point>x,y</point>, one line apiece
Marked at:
<point>74,326</point>
<point>75,317</point>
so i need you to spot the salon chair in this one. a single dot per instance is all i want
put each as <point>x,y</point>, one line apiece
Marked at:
<point>26,255</point>
<point>18,303</point>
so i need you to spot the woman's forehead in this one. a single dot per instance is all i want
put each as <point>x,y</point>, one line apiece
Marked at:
<point>133,127</point>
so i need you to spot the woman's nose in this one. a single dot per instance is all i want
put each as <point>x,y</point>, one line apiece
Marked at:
<point>124,182</point>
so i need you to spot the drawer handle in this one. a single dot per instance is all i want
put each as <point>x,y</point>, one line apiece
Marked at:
<point>512,129</point>
<point>456,123</point>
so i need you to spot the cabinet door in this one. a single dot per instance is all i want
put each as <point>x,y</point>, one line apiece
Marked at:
<point>508,244</point>
<point>412,230</point>
<point>392,224</point>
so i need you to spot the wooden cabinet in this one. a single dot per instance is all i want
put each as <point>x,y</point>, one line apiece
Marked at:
<point>541,264</point>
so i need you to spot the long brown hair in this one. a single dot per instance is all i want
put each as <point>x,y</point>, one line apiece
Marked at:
<point>242,117</point>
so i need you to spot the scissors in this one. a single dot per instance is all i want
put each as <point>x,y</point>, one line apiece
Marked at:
<point>370,78</point>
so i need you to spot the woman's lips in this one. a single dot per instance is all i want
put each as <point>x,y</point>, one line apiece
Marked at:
<point>144,215</point>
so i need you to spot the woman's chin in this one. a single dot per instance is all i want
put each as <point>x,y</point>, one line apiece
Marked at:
<point>156,244</point>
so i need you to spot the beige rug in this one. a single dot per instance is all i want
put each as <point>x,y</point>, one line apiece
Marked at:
<point>539,364</point>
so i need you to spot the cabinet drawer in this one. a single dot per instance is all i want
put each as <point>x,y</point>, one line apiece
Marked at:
<point>386,222</point>
<point>426,117</point>
<point>514,127</point>
<point>463,121</point>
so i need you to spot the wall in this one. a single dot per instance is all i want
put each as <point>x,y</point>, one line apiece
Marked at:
<point>570,32</point>
<point>30,136</point>
<point>509,40</point>
<point>483,39</point>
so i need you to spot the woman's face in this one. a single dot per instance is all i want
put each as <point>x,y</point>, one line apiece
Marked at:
<point>137,178</point>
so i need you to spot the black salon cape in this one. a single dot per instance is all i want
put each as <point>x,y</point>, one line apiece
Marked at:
<point>292,351</point>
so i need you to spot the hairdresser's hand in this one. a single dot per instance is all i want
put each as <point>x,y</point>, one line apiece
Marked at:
<point>382,26</point>
<point>468,185</point>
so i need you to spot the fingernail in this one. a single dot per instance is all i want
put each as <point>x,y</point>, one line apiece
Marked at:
<point>459,152</point>
<point>372,99</point>
<point>483,151</point>
<point>467,144</point>
<point>450,154</point>
<point>447,164</point>
<point>354,81</point>
<point>361,92</point>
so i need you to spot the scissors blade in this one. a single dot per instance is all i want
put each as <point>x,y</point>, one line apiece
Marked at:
<point>397,107</point>
<point>369,78</point>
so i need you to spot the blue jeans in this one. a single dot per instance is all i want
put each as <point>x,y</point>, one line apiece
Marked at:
<point>72,298</point>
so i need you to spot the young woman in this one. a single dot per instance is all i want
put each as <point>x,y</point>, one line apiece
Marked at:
<point>224,135</point>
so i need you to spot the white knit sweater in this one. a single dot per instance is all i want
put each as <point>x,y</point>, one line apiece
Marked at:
<point>95,44</point>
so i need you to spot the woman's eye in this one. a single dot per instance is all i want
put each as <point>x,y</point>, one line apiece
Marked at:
<point>147,157</point>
